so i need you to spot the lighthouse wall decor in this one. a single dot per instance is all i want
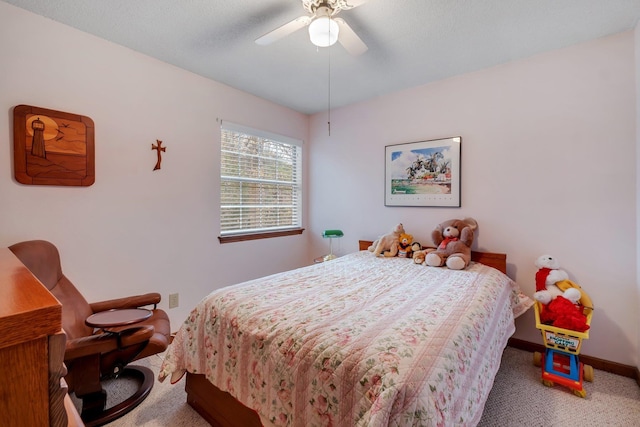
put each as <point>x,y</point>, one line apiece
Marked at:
<point>52,147</point>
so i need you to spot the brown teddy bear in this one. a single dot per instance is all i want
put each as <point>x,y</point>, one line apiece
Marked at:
<point>406,246</point>
<point>389,243</point>
<point>453,239</point>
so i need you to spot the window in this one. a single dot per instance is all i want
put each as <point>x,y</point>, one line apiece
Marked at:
<point>260,184</point>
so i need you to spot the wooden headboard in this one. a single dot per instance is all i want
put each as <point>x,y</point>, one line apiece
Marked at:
<point>495,260</point>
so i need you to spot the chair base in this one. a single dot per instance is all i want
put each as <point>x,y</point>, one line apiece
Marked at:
<point>93,406</point>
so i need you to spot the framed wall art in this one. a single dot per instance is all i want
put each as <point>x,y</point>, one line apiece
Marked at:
<point>423,173</point>
<point>52,147</point>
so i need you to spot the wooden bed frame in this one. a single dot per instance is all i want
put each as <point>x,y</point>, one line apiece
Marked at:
<point>221,409</point>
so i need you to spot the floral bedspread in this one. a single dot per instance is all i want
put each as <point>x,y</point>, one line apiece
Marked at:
<point>358,341</point>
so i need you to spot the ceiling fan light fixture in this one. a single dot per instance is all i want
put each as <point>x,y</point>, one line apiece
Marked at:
<point>323,31</point>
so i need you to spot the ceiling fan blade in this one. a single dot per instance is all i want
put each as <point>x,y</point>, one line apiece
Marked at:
<point>285,30</point>
<point>349,39</point>
<point>355,3</point>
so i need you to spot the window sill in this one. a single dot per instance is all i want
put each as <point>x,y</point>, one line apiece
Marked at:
<point>256,236</point>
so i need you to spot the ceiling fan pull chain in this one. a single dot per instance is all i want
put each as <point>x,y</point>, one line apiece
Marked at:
<point>329,94</point>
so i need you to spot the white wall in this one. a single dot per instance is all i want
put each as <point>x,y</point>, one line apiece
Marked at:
<point>135,230</point>
<point>637,73</point>
<point>548,166</point>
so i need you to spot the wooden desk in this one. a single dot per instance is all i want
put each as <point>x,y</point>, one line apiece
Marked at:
<point>32,346</point>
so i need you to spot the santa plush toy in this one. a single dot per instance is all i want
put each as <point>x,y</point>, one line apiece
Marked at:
<point>560,297</point>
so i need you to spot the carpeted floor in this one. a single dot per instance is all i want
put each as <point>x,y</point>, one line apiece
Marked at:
<point>518,398</point>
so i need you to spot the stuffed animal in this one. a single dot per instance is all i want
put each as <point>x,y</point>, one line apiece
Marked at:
<point>548,274</point>
<point>420,254</point>
<point>562,300</point>
<point>584,300</point>
<point>388,244</point>
<point>453,239</point>
<point>415,246</point>
<point>406,246</point>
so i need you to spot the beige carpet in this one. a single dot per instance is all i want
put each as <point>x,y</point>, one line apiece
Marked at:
<point>518,398</point>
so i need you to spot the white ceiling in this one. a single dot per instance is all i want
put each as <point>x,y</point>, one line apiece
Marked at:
<point>411,42</point>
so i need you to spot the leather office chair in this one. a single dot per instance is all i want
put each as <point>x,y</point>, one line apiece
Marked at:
<point>91,354</point>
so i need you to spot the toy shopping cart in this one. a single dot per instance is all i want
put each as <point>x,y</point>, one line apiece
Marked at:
<point>559,362</point>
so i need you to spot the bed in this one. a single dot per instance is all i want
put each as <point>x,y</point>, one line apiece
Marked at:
<point>357,341</point>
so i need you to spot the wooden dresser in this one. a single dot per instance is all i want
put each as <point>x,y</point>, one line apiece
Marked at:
<point>32,344</point>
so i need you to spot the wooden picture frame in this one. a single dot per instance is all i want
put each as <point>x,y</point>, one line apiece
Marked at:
<point>423,173</point>
<point>52,147</point>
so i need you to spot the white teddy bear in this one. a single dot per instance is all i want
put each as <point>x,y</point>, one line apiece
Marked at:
<point>548,275</point>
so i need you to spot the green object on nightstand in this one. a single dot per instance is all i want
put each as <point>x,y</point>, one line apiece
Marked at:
<point>331,234</point>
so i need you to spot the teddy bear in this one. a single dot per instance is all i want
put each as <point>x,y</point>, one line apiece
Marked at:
<point>453,240</point>
<point>548,274</point>
<point>406,246</point>
<point>389,243</point>
<point>562,300</point>
<point>420,254</point>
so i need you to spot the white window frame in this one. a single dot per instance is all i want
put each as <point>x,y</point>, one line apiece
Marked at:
<point>228,234</point>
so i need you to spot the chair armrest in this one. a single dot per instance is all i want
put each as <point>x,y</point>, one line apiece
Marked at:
<point>126,302</point>
<point>115,338</point>
<point>93,344</point>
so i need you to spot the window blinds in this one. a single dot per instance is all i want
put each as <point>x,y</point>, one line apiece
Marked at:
<point>260,181</point>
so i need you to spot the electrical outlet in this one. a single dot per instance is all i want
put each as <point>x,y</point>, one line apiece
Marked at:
<point>173,300</point>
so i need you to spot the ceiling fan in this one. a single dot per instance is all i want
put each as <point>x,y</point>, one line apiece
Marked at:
<point>324,28</point>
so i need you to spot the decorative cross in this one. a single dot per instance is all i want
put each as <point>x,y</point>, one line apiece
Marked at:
<point>160,150</point>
